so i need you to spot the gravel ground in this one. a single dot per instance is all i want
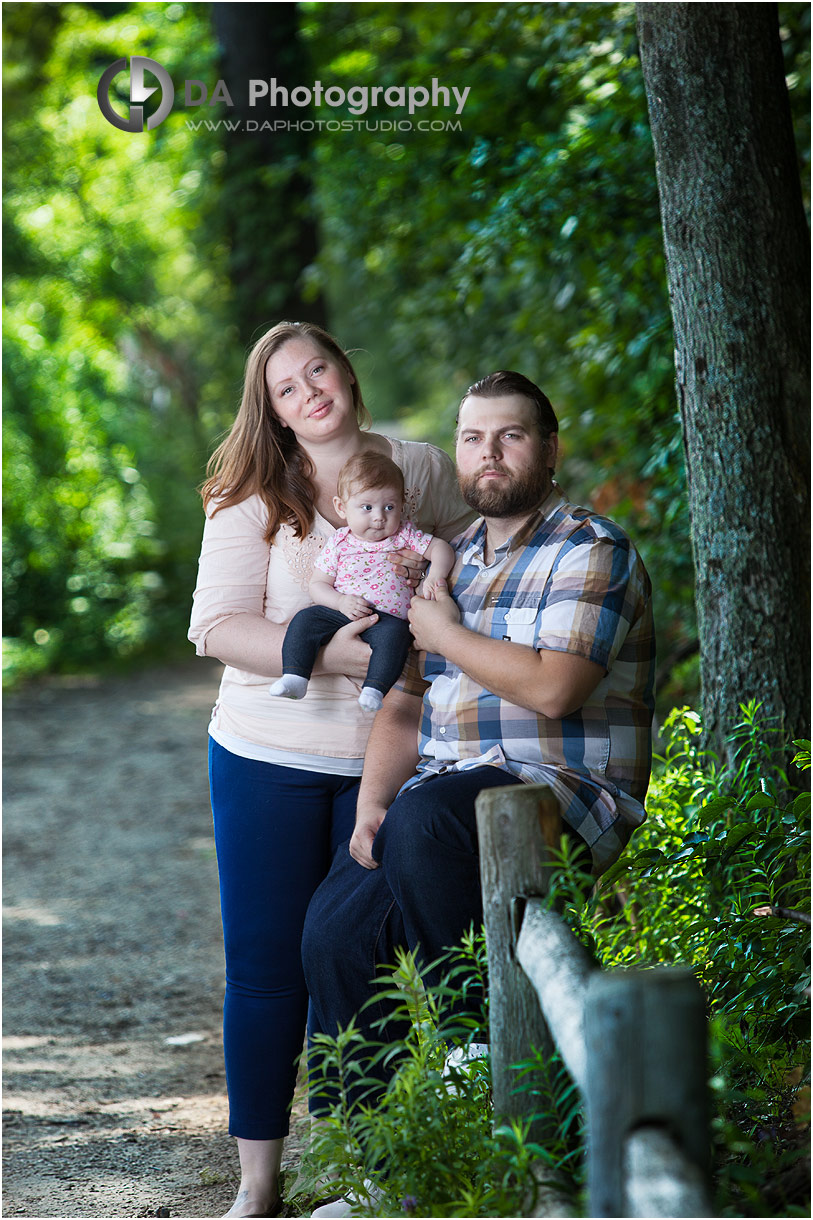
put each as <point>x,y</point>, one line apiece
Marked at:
<point>114,1091</point>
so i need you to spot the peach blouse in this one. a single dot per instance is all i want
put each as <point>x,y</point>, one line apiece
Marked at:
<point>239,573</point>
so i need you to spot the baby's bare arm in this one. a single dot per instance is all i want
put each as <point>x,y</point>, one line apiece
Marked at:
<point>441,561</point>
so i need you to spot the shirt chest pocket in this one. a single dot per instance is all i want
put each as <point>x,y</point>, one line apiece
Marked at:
<point>519,624</point>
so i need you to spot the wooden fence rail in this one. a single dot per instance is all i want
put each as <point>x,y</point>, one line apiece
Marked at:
<point>634,1041</point>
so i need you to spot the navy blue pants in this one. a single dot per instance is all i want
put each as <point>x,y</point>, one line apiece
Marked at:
<point>311,628</point>
<point>276,829</point>
<point>424,896</point>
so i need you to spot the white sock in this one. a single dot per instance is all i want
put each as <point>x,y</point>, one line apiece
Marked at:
<point>370,698</point>
<point>289,686</point>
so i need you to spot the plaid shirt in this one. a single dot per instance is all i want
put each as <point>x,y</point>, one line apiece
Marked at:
<point>571,582</point>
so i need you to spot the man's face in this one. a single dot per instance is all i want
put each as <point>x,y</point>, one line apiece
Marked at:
<point>503,462</point>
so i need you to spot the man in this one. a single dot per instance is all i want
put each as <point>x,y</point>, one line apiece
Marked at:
<point>540,668</point>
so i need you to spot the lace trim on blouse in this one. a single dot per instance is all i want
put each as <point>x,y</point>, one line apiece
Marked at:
<point>300,554</point>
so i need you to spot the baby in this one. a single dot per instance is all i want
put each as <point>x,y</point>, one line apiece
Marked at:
<point>353,577</point>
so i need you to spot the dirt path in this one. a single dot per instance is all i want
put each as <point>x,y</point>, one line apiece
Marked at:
<point>112,950</point>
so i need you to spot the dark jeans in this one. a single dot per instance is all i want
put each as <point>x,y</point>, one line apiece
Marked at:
<point>424,896</point>
<point>312,627</point>
<point>276,829</point>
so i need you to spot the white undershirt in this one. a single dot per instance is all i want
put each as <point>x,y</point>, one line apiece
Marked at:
<point>286,758</point>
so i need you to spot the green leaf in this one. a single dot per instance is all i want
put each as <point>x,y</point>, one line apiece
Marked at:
<point>760,800</point>
<point>737,835</point>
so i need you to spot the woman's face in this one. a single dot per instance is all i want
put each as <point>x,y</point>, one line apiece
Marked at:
<point>310,391</point>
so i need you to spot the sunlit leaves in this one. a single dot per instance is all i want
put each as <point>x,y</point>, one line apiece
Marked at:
<point>112,376</point>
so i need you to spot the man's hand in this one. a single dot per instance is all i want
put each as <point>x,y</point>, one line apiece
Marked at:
<point>431,621</point>
<point>361,844</point>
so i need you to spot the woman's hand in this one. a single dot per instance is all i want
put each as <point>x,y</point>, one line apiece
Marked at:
<point>409,564</point>
<point>347,653</point>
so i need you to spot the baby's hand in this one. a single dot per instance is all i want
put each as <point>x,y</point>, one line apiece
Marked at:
<point>355,607</point>
<point>431,581</point>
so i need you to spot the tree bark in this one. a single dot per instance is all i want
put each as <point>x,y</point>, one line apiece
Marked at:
<point>737,252</point>
<point>267,195</point>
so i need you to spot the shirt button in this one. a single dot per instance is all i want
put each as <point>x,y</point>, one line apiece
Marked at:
<point>443,730</point>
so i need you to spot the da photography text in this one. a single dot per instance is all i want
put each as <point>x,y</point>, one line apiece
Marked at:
<point>359,99</point>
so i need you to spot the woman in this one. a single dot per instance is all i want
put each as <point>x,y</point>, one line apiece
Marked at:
<point>283,774</point>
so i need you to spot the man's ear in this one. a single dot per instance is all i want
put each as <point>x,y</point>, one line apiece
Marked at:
<point>339,507</point>
<point>553,452</point>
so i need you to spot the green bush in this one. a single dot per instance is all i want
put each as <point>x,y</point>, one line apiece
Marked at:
<point>434,1133</point>
<point>718,880</point>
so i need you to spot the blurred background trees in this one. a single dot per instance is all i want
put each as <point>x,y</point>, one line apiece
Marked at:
<point>528,238</point>
<point>116,323</point>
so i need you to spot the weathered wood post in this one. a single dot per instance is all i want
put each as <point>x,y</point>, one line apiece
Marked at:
<point>559,967</point>
<point>517,827</point>
<point>646,1067</point>
<point>660,1180</point>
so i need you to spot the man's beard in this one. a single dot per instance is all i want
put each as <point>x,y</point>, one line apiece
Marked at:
<point>521,494</point>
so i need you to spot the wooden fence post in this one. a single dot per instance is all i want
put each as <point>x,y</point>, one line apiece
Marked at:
<point>517,826</point>
<point>646,1066</point>
<point>660,1180</point>
<point>559,968</point>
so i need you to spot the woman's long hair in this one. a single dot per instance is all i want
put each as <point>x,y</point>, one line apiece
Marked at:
<point>260,456</point>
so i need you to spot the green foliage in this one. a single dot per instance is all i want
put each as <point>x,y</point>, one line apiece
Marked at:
<point>543,250</point>
<point>721,851</point>
<point>528,237</point>
<point>794,30</point>
<point>480,1172</point>
<point>113,362</point>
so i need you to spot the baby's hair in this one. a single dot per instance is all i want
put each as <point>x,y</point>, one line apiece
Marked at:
<point>369,470</point>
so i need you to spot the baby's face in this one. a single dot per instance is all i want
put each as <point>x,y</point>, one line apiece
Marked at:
<point>373,515</point>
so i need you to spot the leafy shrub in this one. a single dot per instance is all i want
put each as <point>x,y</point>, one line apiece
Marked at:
<point>718,880</point>
<point>433,1132</point>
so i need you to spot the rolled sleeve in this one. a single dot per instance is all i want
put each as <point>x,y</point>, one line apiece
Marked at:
<point>592,599</point>
<point>232,570</point>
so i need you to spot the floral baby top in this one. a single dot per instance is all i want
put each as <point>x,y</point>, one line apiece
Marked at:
<point>362,568</point>
<point>240,573</point>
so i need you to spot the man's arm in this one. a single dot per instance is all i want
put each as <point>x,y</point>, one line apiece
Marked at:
<point>390,759</point>
<point>552,683</point>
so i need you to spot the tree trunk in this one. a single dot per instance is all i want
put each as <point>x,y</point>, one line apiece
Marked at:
<point>267,195</point>
<point>737,252</point>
